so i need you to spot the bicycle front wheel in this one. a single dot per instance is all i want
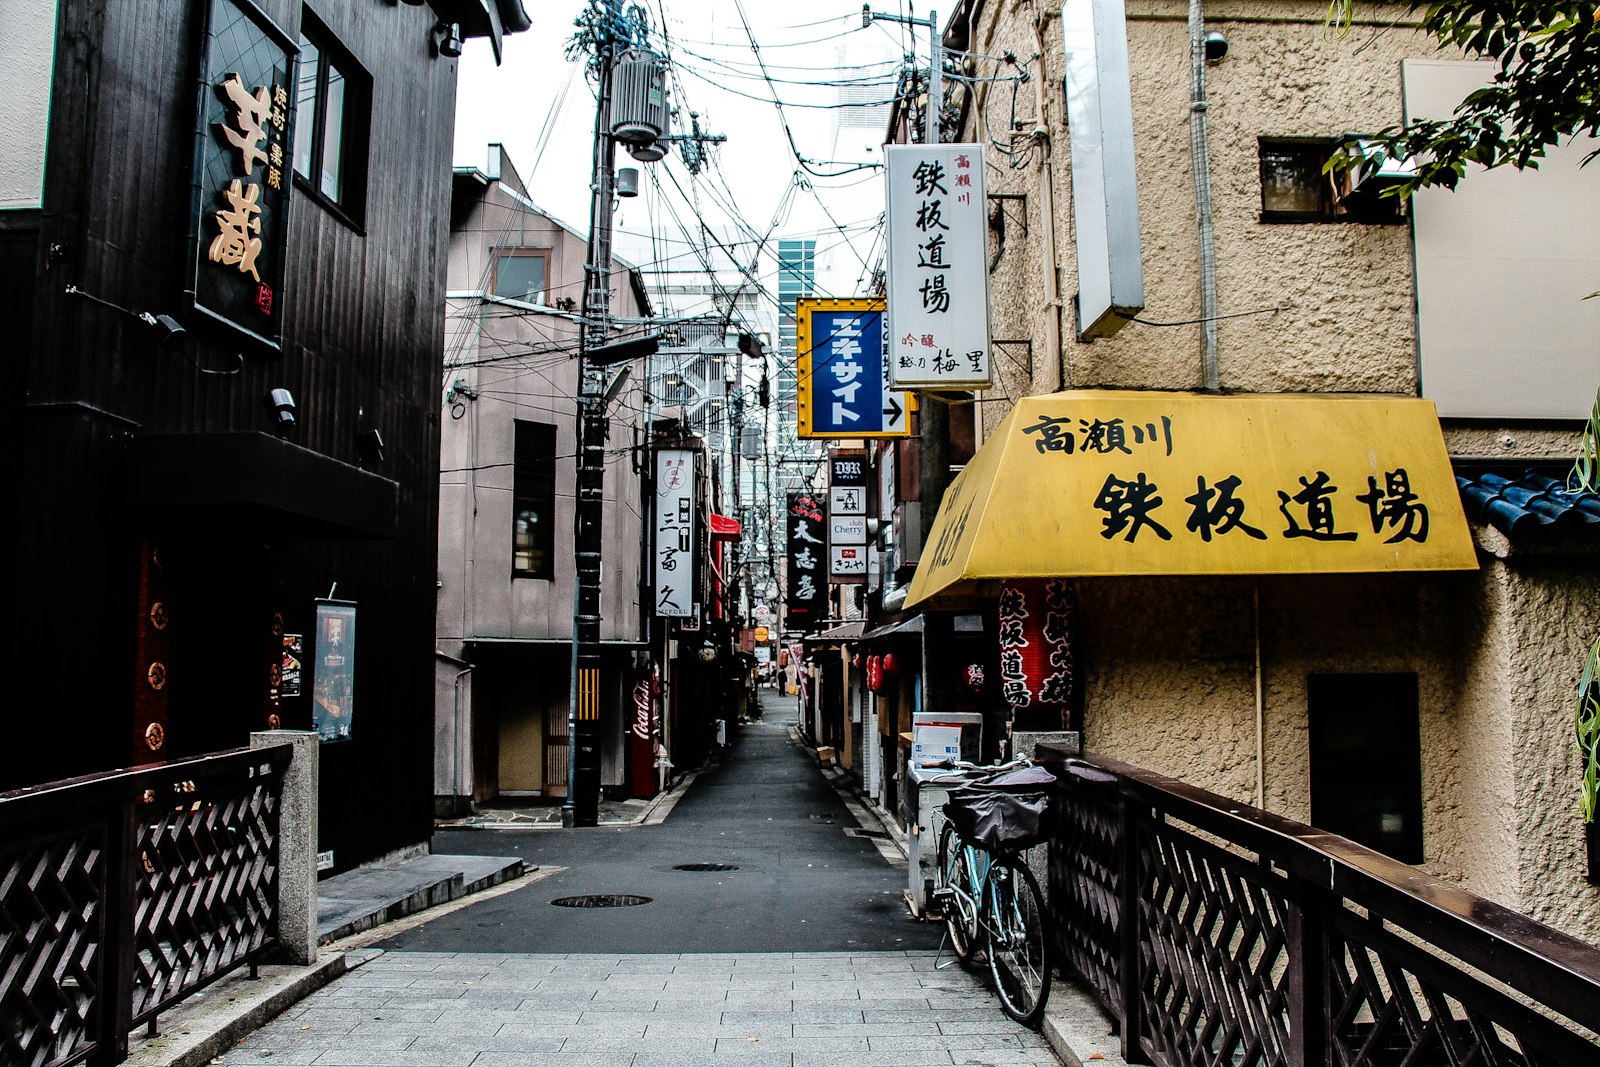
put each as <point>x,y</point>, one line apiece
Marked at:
<point>954,888</point>
<point>1018,944</point>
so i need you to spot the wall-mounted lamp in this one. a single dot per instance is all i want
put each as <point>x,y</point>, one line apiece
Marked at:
<point>280,404</point>
<point>449,34</point>
<point>165,331</point>
<point>369,445</point>
<point>1216,47</point>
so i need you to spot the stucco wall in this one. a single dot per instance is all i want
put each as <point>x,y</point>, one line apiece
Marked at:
<point>1555,615</point>
<point>1170,662</point>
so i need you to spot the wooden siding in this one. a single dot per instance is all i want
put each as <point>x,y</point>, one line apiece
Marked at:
<point>362,336</point>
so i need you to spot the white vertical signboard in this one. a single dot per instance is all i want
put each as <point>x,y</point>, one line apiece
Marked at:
<point>938,267</point>
<point>674,533</point>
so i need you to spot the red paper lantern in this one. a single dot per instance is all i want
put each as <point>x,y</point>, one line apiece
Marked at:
<point>1036,620</point>
<point>874,673</point>
<point>891,666</point>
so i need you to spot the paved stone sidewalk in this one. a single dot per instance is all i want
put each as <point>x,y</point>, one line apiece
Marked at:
<point>419,1009</point>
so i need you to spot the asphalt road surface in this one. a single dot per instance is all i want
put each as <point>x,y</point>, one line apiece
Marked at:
<point>805,880</point>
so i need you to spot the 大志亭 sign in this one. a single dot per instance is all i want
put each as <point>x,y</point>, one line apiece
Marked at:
<point>938,267</point>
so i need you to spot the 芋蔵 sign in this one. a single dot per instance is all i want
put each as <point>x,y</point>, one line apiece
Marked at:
<point>239,219</point>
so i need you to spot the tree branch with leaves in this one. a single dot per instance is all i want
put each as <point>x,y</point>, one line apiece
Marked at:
<point>1546,90</point>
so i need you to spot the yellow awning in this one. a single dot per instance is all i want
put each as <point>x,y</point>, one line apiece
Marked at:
<point>1101,482</point>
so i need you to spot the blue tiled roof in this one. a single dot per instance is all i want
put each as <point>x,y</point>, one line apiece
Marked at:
<point>1526,502</point>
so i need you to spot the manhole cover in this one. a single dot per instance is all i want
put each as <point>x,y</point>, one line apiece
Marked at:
<point>829,819</point>
<point>601,900</point>
<point>706,867</point>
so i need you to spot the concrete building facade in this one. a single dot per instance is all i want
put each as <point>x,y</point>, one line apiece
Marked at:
<point>506,488</point>
<point>1281,690</point>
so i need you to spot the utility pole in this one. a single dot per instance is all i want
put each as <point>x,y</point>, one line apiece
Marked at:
<point>582,807</point>
<point>933,415</point>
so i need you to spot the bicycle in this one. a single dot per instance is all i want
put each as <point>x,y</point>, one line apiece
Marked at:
<point>990,898</point>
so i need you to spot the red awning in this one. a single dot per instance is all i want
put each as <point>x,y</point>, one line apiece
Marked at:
<point>723,528</point>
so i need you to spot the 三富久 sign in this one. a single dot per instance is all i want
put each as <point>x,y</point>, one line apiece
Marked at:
<point>938,305</point>
<point>674,534</point>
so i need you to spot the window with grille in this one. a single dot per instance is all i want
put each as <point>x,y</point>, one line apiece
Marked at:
<point>534,501</point>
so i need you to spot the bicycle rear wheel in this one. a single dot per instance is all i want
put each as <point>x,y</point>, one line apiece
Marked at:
<point>953,887</point>
<point>1018,943</point>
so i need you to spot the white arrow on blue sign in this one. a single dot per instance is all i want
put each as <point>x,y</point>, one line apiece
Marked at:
<point>843,382</point>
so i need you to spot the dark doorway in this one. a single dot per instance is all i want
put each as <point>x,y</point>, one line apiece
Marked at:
<point>1366,760</point>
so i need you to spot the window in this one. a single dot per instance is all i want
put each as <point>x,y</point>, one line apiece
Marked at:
<point>331,122</point>
<point>1366,760</point>
<point>1295,188</point>
<point>534,501</point>
<point>521,273</point>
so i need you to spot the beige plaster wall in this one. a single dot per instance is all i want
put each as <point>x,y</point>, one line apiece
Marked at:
<point>1170,663</point>
<point>1554,611</point>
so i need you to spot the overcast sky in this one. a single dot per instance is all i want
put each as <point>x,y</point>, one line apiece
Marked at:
<point>537,92</point>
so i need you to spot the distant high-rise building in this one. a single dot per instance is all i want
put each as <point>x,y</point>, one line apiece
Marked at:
<point>797,278</point>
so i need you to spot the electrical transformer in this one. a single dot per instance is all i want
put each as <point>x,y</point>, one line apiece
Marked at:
<point>639,113</point>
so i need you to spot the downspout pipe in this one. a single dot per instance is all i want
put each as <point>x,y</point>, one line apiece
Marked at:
<point>456,743</point>
<point>1200,157</point>
<point>1048,379</point>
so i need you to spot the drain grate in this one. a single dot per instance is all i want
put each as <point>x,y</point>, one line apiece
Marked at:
<point>702,867</point>
<point>601,900</point>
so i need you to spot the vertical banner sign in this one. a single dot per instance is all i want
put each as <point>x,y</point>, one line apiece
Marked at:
<point>674,529</point>
<point>847,517</point>
<point>843,384</point>
<point>333,685</point>
<point>807,582</point>
<point>238,226</point>
<point>1036,663</point>
<point>938,267</point>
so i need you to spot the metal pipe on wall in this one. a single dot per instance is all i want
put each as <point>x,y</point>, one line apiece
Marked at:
<point>1053,377</point>
<point>1199,154</point>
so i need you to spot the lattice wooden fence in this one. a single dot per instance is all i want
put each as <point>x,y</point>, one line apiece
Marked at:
<point>123,893</point>
<point>1220,936</point>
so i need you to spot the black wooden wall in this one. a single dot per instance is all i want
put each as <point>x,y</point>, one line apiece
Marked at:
<point>363,336</point>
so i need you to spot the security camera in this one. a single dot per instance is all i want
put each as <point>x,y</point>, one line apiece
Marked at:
<point>1216,47</point>
<point>280,403</point>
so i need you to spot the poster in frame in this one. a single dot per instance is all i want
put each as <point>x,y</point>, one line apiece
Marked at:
<point>333,670</point>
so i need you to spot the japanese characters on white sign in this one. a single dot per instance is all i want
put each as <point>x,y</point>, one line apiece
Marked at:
<point>847,516</point>
<point>938,267</point>
<point>674,534</point>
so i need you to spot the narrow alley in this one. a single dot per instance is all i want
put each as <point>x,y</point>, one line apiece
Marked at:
<point>787,942</point>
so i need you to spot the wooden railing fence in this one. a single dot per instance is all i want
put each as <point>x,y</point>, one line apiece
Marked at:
<point>123,893</point>
<point>1217,935</point>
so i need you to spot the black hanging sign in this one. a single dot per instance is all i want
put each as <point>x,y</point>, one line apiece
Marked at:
<point>238,227</point>
<point>808,553</point>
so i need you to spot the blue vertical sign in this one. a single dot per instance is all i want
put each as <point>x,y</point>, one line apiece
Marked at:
<point>843,384</point>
